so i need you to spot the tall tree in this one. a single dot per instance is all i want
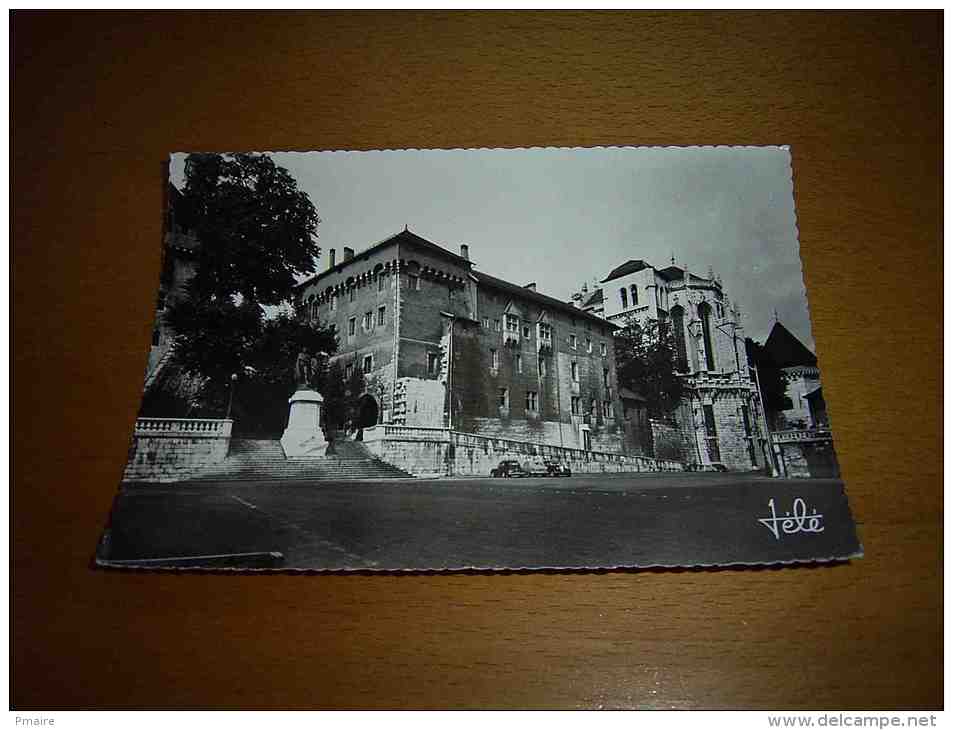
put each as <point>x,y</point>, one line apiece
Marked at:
<point>257,230</point>
<point>257,234</point>
<point>645,363</point>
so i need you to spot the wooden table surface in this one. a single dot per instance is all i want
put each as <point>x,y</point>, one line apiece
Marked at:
<point>99,100</point>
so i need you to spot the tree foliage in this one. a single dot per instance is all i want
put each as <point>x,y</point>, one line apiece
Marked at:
<point>257,230</point>
<point>256,234</point>
<point>774,384</point>
<point>645,363</point>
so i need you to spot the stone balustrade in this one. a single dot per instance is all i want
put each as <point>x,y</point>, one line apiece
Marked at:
<point>801,435</point>
<point>444,452</point>
<point>191,427</point>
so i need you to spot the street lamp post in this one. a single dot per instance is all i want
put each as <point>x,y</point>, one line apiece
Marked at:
<point>231,394</point>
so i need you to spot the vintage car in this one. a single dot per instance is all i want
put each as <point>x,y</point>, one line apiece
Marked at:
<point>508,468</point>
<point>535,468</point>
<point>558,469</point>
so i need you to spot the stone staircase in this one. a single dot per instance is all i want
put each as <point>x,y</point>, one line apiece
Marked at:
<point>259,459</point>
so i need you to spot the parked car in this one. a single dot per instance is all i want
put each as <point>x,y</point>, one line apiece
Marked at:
<point>508,468</point>
<point>558,469</point>
<point>536,468</point>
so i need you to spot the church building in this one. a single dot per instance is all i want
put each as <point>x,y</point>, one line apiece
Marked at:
<point>719,421</point>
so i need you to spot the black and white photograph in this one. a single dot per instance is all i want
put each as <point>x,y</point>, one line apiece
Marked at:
<point>480,359</point>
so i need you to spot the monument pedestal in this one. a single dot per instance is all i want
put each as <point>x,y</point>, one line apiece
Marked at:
<point>304,436</point>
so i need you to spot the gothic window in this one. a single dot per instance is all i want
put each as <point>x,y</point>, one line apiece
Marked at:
<point>704,311</point>
<point>380,282</point>
<point>634,291</point>
<point>604,349</point>
<point>624,297</point>
<point>413,282</point>
<point>588,344</point>
<point>574,370</point>
<point>494,359</point>
<point>532,402</point>
<point>486,323</point>
<point>380,316</point>
<point>351,326</point>
<point>518,361</point>
<point>348,371</point>
<point>314,309</point>
<point>681,352</point>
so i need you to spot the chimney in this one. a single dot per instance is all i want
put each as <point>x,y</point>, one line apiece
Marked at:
<point>348,253</point>
<point>332,253</point>
<point>531,286</point>
<point>464,251</point>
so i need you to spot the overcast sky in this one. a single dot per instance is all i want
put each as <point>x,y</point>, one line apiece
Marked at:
<point>560,217</point>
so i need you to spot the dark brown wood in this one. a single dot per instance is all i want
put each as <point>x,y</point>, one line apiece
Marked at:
<point>99,100</point>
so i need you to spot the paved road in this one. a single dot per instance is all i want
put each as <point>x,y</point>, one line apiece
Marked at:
<point>581,521</point>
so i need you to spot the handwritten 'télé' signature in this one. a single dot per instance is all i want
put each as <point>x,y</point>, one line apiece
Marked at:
<point>797,520</point>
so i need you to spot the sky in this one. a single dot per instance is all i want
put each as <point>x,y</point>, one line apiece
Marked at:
<point>562,217</point>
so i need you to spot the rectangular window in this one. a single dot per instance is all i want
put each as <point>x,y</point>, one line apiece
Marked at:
<point>532,401</point>
<point>433,362</point>
<point>574,370</point>
<point>350,294</point>
<point>518,361</point>
<point>572,341</point>
<point>486,323</point>
<point>526,332</point>
<point>605,377</point>
<point>592,408</point>
<point>348,371</point>
<point>624,298</point>
<point>380,282</point>
<point>634,291</point>
<point>512,324</point>
<point>368,321</point>
<point>545,333</point>
<point>368,363</point>
<point>575,405</point>
<point>588,345</point>
<point>504,398</point>
<point>542,367</point>
<point>605,409</point>
<point>380,316</point>
<point>413,282</point>
<point>494,359</point>
<point>351,327</point>
<point>603,348</point>
<point>496,325</point>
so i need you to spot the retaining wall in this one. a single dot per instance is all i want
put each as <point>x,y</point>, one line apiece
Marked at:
<point>171,449</point>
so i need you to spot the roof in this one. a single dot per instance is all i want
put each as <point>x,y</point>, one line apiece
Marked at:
<point>404,236</point>
<point>629,267</point>
<point>785,350</point>
<point>547,301</point>
<point>594,299</point>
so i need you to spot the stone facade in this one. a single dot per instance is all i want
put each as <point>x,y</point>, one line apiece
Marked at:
<point>452,347</point>
<point>171,449</point>
<point>435,452</point>
<point>720,418</point>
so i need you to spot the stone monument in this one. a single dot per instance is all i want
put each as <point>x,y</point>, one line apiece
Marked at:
<point>304,436</point>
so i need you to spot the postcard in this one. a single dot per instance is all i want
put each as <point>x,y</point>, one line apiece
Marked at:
<point>486,359</point>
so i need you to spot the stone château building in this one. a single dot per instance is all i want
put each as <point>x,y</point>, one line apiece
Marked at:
<point>444,345</point>
<point>719,419</point>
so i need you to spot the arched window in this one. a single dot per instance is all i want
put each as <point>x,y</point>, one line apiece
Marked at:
<point>678,329</point>
<point>704,311</point>
<point>624,297</point>
<point>634,290</point>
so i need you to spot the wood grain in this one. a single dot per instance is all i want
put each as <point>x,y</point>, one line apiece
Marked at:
<point>100,99</point>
